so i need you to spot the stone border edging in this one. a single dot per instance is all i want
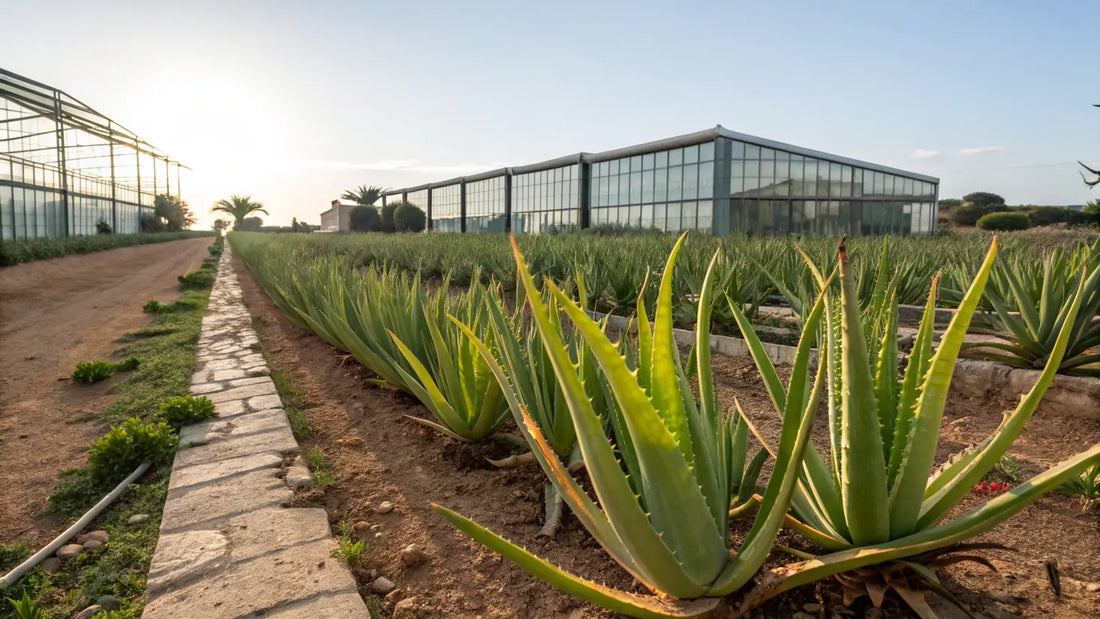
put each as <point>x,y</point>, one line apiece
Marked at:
<point>1078,396</point>
<point>227,546</point>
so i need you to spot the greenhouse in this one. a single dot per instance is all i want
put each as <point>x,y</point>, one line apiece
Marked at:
<point>68,170</point>
<point>715,180</point>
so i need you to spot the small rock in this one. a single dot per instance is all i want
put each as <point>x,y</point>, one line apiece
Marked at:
<point>89,612</point>
<point>361,529</point>
<point>1093,587</point>
<point>405,609</point>
<point>109,602</point>
<point>394,596</point>
<point>92,544</point>
<point>385,508</point>
<point>51,565</point>
<point>136,518</point>
<point>813,608</point>
<point>382,585</point>
<point>99,536</point>
<point>373,574</point>
<point>412,556</point>
<point>68,551</point>
<point>298,478</point>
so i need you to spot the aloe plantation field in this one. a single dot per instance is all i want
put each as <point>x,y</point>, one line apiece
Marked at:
<point>488,440</point>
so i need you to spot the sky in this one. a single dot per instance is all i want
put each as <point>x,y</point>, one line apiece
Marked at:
<point>294,102</point>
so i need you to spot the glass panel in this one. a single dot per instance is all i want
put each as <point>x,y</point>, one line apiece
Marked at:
<point>691,154</point>
<point>706,179</point>
<point>675,156</point>
<point>706,151</point>
<point>675,183</point>
<point>691,182</point>
<point>737,149</point>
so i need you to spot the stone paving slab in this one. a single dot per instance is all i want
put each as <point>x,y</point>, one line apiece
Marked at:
<point>227,547</point>
<point>183,477</point>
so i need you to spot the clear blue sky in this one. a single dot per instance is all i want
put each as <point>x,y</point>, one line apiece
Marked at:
<point>294,102</point>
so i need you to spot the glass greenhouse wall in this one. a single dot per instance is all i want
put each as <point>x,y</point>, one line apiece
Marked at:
<point>65,167</point>
<point>716,180</point>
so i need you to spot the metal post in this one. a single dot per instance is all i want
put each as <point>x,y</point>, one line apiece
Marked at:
<point>62,168</point>
<point>584,199</point>
<point>114,196</point>
<point>462,206</point>
<point>179,192</point>
<point>508,201</point>
<point>137,157</point>
<point>427,212</point>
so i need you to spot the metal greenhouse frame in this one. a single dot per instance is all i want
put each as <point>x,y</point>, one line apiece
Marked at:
<point>64,167</point>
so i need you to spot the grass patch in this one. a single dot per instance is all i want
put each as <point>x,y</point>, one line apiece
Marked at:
<point>293,402</point>
<point>12,555</point>
<point>120,568</point>
<point>16,252</point>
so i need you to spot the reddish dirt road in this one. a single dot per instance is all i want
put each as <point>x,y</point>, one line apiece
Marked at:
<point>53,315</point>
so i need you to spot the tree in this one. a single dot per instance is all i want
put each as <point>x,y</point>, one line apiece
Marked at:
<point>984,198</point>
<point>408,217</point>
<point>239,207</point>
<point>250,224</point>
<point>365,219</point>
<point>949,203</point>
<point>173,213</point>
<point>363,195</point>
<point>1092,208</point>
<point>220,224</point>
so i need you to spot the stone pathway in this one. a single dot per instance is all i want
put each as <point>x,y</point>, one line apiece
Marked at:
<point>227,547</point>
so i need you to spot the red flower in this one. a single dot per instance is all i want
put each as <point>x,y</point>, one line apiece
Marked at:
<point>995,487</point>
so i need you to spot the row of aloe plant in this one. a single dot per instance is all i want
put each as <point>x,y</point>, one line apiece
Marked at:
<point>667,467</point>
<point>664,485</point>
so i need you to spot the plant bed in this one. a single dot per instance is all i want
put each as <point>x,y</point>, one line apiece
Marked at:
<point>377,456</point>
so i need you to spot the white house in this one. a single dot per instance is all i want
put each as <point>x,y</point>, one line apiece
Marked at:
<point>338,217</point>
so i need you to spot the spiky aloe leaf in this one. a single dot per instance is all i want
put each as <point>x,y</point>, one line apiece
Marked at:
<point>863,470</point>
<point>644,607</point>
<point>917,461</point>
<point>975,522</point>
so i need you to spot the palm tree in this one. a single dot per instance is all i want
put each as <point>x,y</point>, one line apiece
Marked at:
<point>363,194</point>
<point>239,207</point>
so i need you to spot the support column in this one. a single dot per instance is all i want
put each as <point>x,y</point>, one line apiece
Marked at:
<point>61,165</point>
<point>462,205</point>
<point>508,201</point>
<point>114,191</point>
<point>584,199</point>
<point>427,211</point>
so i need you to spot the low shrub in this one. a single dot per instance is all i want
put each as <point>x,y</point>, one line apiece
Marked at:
<point>969,214</point>
<point>185,410</point>
<point>196,280</point>
<point>1085,486</point>
<point>127,445</point>
<point>152,306</point>
<point>102,227</point>
<point>88,372</point>
<point>128,365</point>
<point>409,218</point>
<point>1004,221</point>
<point>215,249</point>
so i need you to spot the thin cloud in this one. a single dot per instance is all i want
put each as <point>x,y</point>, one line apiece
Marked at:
<point>924,153</point>
<point>982,150</point>
<point>397,165</point>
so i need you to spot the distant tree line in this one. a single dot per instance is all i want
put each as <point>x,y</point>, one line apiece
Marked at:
<point>988,211</point>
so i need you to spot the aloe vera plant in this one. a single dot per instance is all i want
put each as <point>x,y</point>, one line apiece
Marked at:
<point>1032,306</point>
<point>877,501</point>
<point>663,508</point>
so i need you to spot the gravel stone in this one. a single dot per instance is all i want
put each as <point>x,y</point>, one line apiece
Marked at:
<point>68,551</point>
<point>385,508</point>
<point>382,585</point>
